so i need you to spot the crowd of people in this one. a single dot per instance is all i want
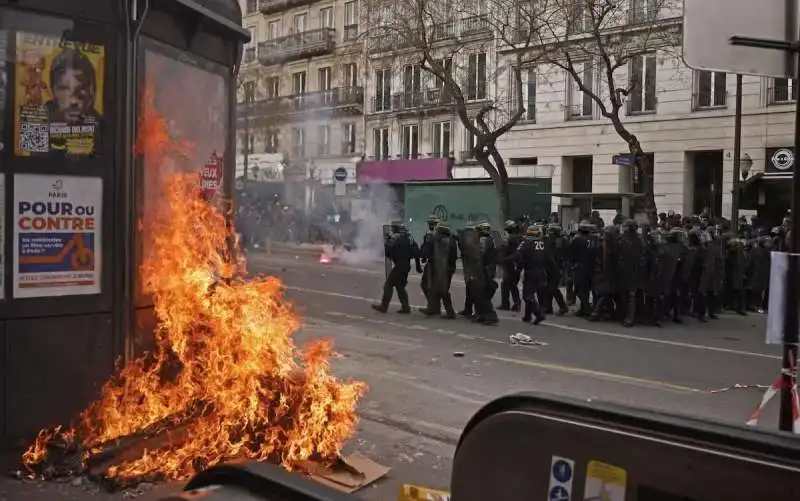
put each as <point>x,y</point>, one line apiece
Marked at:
<point>627,272</point>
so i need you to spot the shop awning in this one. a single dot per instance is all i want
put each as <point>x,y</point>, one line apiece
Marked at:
<point>402,171</point>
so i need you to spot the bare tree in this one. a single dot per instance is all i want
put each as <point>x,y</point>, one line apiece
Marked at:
<point>454,42</point>
<point>610,51</point>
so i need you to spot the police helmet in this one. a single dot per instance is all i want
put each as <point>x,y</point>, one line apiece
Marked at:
<point>483,226</point>
<point>433,219</point>
<point>585,226</point>
<point>534,230</point>
<point>510,225</point>
<point>555,229</point>
<point>443,229</point>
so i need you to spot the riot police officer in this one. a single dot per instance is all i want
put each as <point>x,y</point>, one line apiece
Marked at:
<point>532,257</point>
<point>484,288</point>
<point>426,252</point>
<point>582,252</point>
<point>442,265</point>
<point>510,281</point>
<point>400,248</point>
<point>630,270</point>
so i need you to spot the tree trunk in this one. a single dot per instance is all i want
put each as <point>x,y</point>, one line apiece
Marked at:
<point>500,179</point>
<point>646,175</point>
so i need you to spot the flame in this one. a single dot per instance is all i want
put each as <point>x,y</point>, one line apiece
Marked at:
<point>324,259</point>
<point>226,367</point>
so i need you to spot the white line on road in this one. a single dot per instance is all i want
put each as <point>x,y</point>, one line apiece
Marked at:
<point>665,342</point>
<point>423,386</point>
<point>576,371</point>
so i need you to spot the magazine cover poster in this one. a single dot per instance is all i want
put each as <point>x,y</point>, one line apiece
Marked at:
<point>58,96</point>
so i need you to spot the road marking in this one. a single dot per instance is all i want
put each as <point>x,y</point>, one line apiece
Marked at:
<point>664,342</point>
<point>576,371</point>
<point>381,418</point>
<point>422,386</point>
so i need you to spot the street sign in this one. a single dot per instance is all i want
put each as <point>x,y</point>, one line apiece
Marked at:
<point>625,159</point>
<point>340,181</point>
<point>340,174</point>
<point>708,26</point>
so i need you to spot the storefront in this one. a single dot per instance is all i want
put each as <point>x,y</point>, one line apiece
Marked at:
<point>770,192</point>
<point>75,185</point>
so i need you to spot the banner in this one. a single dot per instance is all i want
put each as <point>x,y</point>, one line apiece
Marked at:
<point>57,235</point>
<point>58,96</point>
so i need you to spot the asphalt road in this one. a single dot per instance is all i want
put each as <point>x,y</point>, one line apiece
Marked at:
<point>427,377</point>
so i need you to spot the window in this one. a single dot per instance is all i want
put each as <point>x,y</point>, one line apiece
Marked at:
<point>299,23</point>
<point>580,105</point>
<point>252,6</point>
<point>250,48</point>
<point>326,17</point>
<point>249,92</point>
<point>248,143</point>
<point>272,145</point>
<point>273,30</point>
<point>441,139</point>
<point>412,85</point>
<point>348,139</point>
<point>350,71</point>
<point>299,83</point>
<point>783,91</point>
<point>710,89</point>
<point>323,140</point>
<point>350,21</point>
<point>381,143</point>
<point>273,87</point>
<point>527,76</point>
<point>410,141</point>
<point>325,84</point>
<point>476,74</point>
<point>383,90</point>
<point>470,143</point>
<point>642,98</point>
<point>298,142</point>
<point>644,10</point>
<point>579,18</point>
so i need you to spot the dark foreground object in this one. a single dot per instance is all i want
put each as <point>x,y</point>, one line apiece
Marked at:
<point>531,446</point>
<point>528,446</point>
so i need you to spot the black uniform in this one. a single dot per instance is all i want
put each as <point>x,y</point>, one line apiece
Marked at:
<point>532,257</point>
<point>555,269</point>
<point>605,270</point>
<point>582,253</point>
<point>511,275</point>
<point>441,266</point>
<point>400,248</point>
<point>631,268</point>
<point>484,286</point>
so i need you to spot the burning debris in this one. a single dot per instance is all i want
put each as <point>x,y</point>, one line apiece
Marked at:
<point>226,381</point>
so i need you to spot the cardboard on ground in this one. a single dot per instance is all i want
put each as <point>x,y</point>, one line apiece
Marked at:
<point>708,26</point>
<point>351,473</point>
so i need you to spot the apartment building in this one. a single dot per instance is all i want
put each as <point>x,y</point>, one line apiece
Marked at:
<point>684,120</point>
<point>300,97</point>
<point>410,114</point>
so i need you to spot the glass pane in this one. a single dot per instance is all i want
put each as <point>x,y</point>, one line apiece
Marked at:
<point>720,89</point>
<point>189,137</point>
<point>703,88</point>
<point>636,84</point>
<point>650,84</point>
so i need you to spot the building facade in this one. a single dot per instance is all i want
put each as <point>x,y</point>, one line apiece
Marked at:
<point>684,120</point>
<point>300,100</point>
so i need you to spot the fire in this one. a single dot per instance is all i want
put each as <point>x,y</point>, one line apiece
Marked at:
<point>226,371</point>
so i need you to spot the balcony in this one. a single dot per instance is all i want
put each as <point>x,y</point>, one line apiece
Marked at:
<point>297,46</point>
<point>274,6</point>
<point>346,100</point>
<point>350,32</point>
<point>249,55</point>
<point>414,101</point>
<point>475,25</point>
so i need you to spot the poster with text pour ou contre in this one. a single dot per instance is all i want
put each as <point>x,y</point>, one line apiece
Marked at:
<point>57,235</point>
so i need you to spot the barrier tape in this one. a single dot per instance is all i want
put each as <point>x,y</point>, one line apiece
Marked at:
<point>770,394</point>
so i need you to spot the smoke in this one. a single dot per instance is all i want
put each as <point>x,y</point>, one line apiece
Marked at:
<point>378,206</point>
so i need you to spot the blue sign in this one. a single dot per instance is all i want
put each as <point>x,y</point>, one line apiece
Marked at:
<point>626,160</point>
<point>558,493</point>
<point>340,174</point>
<point>562,471</point>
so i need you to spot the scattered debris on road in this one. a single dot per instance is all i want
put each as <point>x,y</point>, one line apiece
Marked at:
<point>458,354</point>
<point>520,339</point>
<point>738,386</point>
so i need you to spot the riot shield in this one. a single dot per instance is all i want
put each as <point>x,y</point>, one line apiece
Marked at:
<point>560,449</point>
<point>441,252</point>
<point>387,263</point>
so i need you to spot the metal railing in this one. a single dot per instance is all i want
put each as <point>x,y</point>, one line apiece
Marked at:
<point>341,97</point>
<point>577,112</point>
<point>412,100</point>
<point>391,40</point>
<point>296,46</point>
<point>268,7</point>
<point>350,32</point>
<point>475,24</point>
<point>708,100</point>
<point>782,94</point>
<point>249,55</point>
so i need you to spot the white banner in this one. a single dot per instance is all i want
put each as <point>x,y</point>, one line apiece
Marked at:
<point>57,235</point>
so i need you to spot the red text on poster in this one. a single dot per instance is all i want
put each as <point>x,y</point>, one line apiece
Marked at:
<point>211,177</point>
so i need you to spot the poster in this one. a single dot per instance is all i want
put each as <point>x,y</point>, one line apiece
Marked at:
<point>57,235</point>
<point>211,177</point>
<point>58,96</point>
